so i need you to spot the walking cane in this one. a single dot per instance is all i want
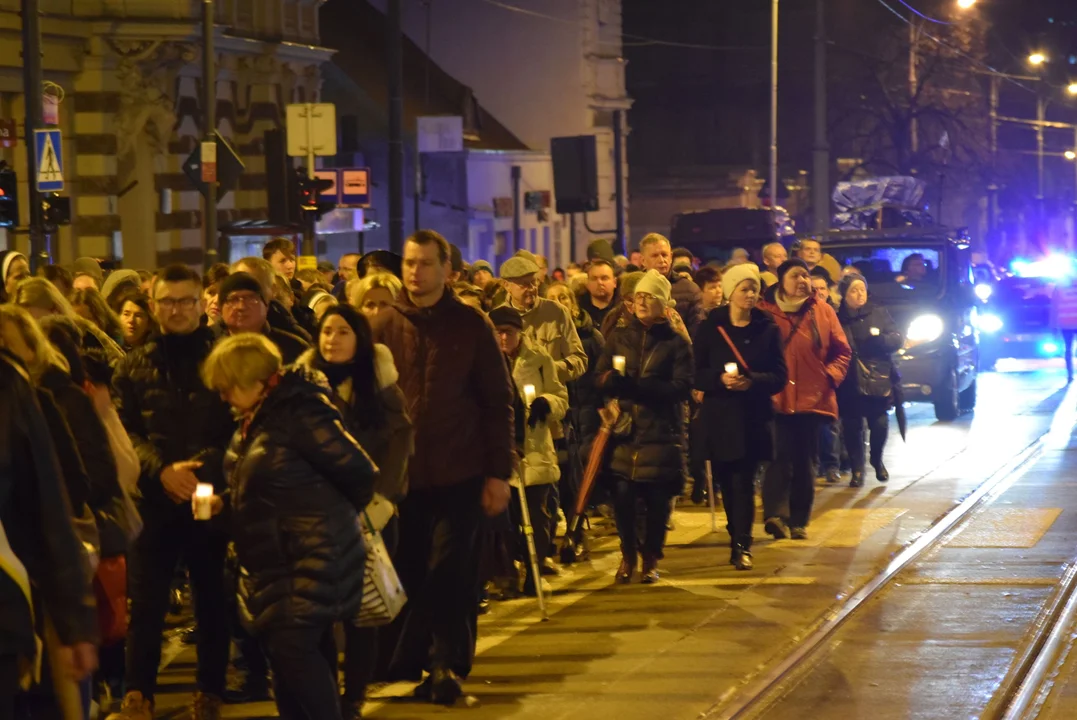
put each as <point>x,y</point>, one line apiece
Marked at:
<point>710,497</point>
<point>529,532</point>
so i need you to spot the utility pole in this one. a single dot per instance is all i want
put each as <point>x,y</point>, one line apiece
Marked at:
<point>992,188</point>
<point>1041,117</point>
<point>32,84</point>
<point>821,148</point>
<point>914,126</point>
<point>209,109</point>
<point>774,104</point>
<point>395,62</point>
<point>515,174</point>
<point>619,179</point>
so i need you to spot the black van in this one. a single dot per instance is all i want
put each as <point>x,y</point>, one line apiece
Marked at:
<point>923,276</point>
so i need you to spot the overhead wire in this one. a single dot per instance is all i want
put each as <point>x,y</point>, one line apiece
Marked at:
<point>925,17</point>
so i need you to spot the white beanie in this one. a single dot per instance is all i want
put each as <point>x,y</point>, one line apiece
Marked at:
<point>737,274</point>
<point>654,284</point>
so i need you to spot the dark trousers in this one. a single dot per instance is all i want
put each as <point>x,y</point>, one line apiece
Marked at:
<point>829,445</point>
<point>878,423</point>
<point>304,661</point>
<point>789,485</point>
<point>737,480</point>
<point>165,539</point>
<point>363,650</point>
<point>438,564</point>
<point>538,507</point>
<point>697,455</point>
<point>1067,344</point>
<point>655,497</point>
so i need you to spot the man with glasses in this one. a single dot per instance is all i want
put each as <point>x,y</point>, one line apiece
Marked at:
<point>244,309</point>
<point>546,323</point>
<point>180,430</point>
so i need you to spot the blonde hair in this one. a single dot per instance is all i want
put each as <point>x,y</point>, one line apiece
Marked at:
<point>575,301</point>
<point>45,354</point>
<point>357,288</point>
<point>37,292</point>
<point>651,239</point>
<point>101,314</point>
<point>240,361</point>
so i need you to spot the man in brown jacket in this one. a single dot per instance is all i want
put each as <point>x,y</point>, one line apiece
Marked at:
<point>460,399</point>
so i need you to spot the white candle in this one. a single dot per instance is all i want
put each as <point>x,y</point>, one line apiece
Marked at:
<point>874,331</point>
<point>619,364</point>
<point>731,369</point>
<point>203,501</point>
<point>529,395</point>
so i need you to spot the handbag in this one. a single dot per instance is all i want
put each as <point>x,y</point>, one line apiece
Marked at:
<point>383,594</point>
<point>872,376</point>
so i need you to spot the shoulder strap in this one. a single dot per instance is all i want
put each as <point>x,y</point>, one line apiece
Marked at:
<point>736,353</point>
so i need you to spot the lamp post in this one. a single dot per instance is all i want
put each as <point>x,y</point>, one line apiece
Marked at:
<point>773,174</point>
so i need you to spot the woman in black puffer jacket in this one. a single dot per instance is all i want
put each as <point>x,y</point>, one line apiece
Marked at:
<point>297,481</point>
<point>648,458</point>
<point>871,387</point>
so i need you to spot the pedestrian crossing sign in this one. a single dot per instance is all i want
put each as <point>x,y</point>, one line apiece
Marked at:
<point>50,160</point>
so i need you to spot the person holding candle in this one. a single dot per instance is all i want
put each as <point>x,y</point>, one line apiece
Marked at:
<point>541,404</point>
<point>817,357</point>
<point>297,483</point>
<point>180,430</point>
<point>739,366</point>
<point>871,387</point>
<point>647,459</point>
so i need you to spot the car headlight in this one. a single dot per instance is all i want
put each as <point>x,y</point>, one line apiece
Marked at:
<point>925,328</point>
<point>984,291</point>
<point>989,323</point>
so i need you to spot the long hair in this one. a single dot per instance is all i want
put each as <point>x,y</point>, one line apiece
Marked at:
<point>37,292</point>
<point>44,354</point>
<point>366,391</point>
<point>100,313</point>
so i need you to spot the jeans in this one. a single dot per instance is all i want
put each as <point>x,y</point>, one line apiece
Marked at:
<point>304,661</point>
<point>789,485</point>
<point>363,650</point>
<point>166,538</point>
<point>879,429</point>
<point>438,564</point>
<point>829,446</point>
<point>737,480</point>
<point>656,498</point>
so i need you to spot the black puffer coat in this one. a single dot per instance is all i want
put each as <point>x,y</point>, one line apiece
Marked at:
<point>297,481</point>
<point>739,425</point>
<point>657,381</point>
<point>867,347</point>
<point>584,398</point>
<point>171,415</point>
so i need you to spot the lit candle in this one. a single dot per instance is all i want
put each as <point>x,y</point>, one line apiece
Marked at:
<point>529,395</point>
<point>619,364</point>
<point>731,369</point>
<point>874,331</point>
<point>203,501</point>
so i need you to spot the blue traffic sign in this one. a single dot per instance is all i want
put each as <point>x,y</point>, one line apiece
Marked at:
<point>354,187</point>
<point>50,160</point>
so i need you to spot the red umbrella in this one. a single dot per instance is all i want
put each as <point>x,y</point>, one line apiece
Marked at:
<point>573,536</point>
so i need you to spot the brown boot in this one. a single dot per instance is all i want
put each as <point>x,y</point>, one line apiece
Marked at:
<point>206,707</point>
<point>135,707</point>
<point>649,576</point>
<point>628,566</point>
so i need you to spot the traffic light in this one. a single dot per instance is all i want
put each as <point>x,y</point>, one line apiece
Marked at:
<point>56,210</point>
<point>9,196</point>
<point>310,190</point>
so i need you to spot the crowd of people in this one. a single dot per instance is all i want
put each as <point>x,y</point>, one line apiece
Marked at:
<point>231,430</point>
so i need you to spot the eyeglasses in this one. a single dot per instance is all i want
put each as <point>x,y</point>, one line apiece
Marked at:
<point>234,300</point>
<point>169,304</point>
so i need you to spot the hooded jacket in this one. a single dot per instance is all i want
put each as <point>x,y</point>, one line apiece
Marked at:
<point>457,387</point>
<point>657,382</point>
<point>297,481</point>
<point>534,366</point>
<point>389,445</point>
<point>879,349</point>
<point>739,424</point>
<point>549,326</point>
<point>816,356</point>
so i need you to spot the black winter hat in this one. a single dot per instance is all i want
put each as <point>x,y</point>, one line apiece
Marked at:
<point>788,265</point>
<point>847,282</point>
<point>507,315</point>
<point>240,281</point>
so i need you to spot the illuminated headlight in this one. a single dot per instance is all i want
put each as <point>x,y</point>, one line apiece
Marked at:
<point>926,328</point>
<point>984,291</point>
<point>989,323</point>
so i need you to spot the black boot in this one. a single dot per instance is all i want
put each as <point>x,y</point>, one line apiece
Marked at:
<point>857,479</point>
<point>741,558</point>
<point>880,472</point>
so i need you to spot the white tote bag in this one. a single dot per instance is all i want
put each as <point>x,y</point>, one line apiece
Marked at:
<point>383,595</point>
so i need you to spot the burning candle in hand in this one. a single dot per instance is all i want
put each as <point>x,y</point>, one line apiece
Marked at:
<point>731,369</point>
<point>874,331</point>
<point>529,395</point>
<point>203,501</point>
<point>619,364</point>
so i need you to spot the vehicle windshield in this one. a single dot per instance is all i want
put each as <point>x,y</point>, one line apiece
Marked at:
<point>897,272</point>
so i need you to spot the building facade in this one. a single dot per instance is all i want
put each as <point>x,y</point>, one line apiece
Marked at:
<point>130,75</point>
<point>544,68</point>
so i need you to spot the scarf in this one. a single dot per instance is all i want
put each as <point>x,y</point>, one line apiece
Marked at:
<point>788,305</point>
<point>336,373</point>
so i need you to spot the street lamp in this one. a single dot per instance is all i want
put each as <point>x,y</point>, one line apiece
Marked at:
<point>1071,155</point>
<point>1072,88</point>
<point>965,4</point>
<point>1037,58</point>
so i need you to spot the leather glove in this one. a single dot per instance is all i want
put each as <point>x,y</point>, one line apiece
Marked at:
<point>619,385</point>
<point>540,411</point>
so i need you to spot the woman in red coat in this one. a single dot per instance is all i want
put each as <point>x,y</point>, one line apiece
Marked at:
<point>817,357</point>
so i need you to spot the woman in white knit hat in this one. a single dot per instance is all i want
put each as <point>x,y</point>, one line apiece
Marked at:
<point>739,366</point>
<point>647,366</point>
